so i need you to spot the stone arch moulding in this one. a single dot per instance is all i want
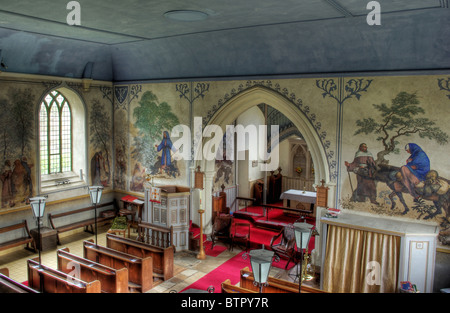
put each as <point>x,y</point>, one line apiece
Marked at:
<point>239,103</point>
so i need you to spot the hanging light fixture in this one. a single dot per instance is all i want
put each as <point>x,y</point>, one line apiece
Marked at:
<point>261,262</point>
<point>96,195</point>
<point>38,208</point>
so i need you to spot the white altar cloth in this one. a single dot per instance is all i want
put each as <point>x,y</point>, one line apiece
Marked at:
<point>299,195</point>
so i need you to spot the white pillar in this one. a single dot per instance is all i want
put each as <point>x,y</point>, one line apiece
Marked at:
<point>207,200</point>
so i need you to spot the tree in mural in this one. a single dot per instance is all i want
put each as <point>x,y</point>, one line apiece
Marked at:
<point>153,118</point>
<point>120,141</point>
<point>399,119</point>
<point>100,128</point>
<point>5,129</point>
<point>22,112</point>
<point>402,118</point>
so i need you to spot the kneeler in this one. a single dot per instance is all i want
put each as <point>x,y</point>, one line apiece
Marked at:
<point>120,225</point>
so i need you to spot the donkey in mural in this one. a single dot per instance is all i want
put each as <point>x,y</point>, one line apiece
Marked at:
<point>434,188</point>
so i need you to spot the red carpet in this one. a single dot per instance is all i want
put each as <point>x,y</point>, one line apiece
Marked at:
<point>258,237</point>
<point>228,270</point>
<point>218,249</point>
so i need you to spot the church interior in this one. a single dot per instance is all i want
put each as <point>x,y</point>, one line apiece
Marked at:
<point>225,147</point>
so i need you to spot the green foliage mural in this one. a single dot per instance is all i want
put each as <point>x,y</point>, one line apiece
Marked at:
<point>100,129</point>
<point>402,118</point>
<point>16,135</point>
<point>153,119</point>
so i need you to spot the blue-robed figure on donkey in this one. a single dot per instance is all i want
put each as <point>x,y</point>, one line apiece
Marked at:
<point>165,146</point>
<point>416,168</point>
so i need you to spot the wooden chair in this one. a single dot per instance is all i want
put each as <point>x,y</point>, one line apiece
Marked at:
<point>221,229</point>
<point>219,205</point>
<point>240,234</point>
<point>286,247</point>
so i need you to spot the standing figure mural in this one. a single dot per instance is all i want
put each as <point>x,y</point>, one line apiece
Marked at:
<point>363,166</point>
<point>7,189</point>
<point>166,147</point>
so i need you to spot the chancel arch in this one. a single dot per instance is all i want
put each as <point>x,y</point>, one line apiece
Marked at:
<point>241,102</point>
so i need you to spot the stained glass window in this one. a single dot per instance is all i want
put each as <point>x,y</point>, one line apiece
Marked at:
<point>55,134</point>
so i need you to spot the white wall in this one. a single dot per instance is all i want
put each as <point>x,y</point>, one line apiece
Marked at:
<point>246,172</point>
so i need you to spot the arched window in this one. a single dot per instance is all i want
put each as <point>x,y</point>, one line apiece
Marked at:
<point>55,134</point>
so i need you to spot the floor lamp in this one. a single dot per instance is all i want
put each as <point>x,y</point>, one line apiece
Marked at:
<point>302,232</point>
<point>38,208</point>
<point>96,195</point>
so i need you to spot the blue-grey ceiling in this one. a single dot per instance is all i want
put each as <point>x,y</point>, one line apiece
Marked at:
<point>131,40</point>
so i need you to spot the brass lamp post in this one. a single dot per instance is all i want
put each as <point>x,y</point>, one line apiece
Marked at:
<point>198,184</point>
<point>303,232</point>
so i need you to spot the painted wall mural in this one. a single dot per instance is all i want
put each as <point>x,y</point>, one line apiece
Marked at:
<point>397,169</point>
<point>152,149</point>
<point>101,137</point>
<point>16,136</point>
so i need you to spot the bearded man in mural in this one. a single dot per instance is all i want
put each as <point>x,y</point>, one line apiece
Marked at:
<point>363,166</point>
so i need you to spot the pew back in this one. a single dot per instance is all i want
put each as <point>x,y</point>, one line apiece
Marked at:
<point>112,280</point>
<point>227,287</point>
<point>8,285</point>
<point>140,270</point>
<point>163,258</point>
<point>48,280</point>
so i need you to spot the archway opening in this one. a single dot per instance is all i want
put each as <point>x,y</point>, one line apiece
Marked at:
<point>230,112</point>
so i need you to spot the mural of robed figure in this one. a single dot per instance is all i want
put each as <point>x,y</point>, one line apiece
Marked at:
<point>416,168</point>
<point>363,166</point>
<point>166,147</point>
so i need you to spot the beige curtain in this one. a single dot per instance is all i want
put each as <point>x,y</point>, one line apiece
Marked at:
<point>360,261</point>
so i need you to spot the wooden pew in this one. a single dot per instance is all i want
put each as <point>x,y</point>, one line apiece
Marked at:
<point>112,280</point>
<point>140,270</point>
<point>86,223</point>
<point>275,285</point>
<point>9,285</point>
<point>227,287</point>
<point>162,257</point>
<point>48,280</point>
<point>24,240</point>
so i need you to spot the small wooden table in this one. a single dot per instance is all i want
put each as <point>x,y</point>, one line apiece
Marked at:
<point>130,206</point>
<point>47,241</point>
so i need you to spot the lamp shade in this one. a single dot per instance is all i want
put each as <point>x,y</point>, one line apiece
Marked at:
<point>96,194</point>
<point>302,233</point>
<point>261,262</point>
<point>38,206</point>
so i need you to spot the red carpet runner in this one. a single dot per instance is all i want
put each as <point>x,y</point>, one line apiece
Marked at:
<point>231,268</point>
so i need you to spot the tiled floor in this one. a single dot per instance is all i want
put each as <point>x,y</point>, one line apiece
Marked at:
<point>187,268</point>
